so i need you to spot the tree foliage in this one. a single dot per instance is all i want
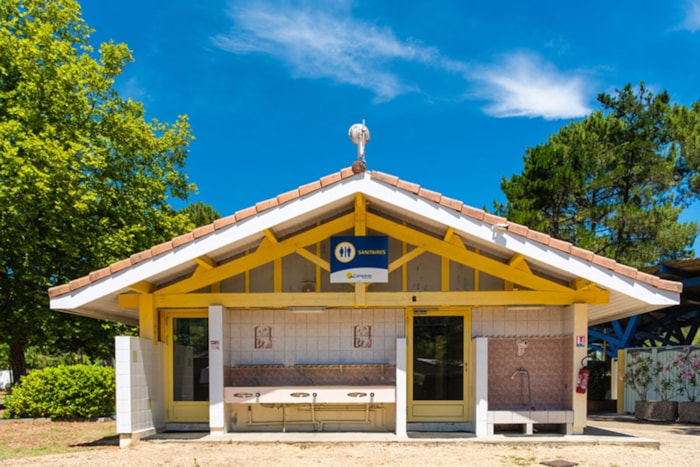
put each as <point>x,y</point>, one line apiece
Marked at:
<point>616,181</point>
<point>75,391</point>
<point>85,179</point>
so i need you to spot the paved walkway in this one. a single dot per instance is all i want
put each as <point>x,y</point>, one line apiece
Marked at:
<point>602,429</point>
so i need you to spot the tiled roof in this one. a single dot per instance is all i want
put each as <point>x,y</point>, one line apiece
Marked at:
<point>428,195</point>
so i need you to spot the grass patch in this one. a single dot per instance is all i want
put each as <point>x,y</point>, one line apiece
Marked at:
<point>42,437</point>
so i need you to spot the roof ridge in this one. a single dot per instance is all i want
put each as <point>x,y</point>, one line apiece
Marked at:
<point>391,180</point>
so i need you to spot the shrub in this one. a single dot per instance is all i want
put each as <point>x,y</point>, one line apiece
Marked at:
<point>688,373</point>
<point>76,391</point>
<point>640,374</point>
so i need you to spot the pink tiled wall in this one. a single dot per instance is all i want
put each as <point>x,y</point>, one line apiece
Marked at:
<point>318,375</point>
<point>548,362</point>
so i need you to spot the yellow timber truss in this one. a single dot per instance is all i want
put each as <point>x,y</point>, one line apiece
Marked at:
<point>522,287</point>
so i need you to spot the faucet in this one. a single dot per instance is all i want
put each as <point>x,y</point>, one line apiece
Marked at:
<point>518,371</point>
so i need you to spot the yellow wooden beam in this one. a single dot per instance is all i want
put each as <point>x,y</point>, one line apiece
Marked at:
<point>445,263</point>
<point>581,284</point>
<point>477,275</point>
<point>318,267</point>
<point>277,275</point>
<point>271,237</point>
<point>317,260</point>
<point>444,273</point>
<point>261,256</point>
<point>246,276</point>
<point>360,294</point>
<point>205,262</point>
<point>148,318</point>
<point>462,255</point>
<point>404,269</point>
<point>405,258</point>
<point>360,215</point>
<point>143,287</point>
<point>381,299</point>
<point>129,300</point>
<point>519,261</point>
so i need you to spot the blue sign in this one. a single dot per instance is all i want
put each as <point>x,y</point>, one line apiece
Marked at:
<point>359,259</point>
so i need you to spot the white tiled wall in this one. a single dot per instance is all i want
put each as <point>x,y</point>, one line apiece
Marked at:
<point>140,384</point>
<point>501,322</point>
<point>326,337</point>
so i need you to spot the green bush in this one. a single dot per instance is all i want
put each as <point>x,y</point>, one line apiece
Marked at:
<point>76,391</point>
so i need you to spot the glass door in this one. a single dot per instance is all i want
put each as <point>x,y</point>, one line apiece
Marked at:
<point>438,366</point>
<point>187,368</point>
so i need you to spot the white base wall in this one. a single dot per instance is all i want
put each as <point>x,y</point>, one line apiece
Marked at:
<point>140,387</point>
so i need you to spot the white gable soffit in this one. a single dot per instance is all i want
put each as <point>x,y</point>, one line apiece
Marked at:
<point>253,226</point>
<point>567,265</point>
<point>413,205</point>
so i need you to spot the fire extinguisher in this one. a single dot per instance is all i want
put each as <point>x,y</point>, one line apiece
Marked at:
<point>582,382</point>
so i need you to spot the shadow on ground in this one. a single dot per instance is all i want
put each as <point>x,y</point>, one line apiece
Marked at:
<point>106,441</point>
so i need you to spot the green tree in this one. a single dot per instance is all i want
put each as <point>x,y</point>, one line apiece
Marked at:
<point>85,179</point>
<point>613,182</point>
<point>200,214</point>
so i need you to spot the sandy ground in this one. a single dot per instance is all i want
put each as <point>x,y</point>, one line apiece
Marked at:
<point>679,446</point>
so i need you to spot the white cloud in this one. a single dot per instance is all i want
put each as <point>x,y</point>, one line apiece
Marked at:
<point>691,22</point>
<point>320,44</point>
<point>319,41</point>
<point>522,85</point>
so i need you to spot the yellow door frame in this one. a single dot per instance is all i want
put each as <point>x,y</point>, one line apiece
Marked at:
<point>451,411</point>
<point>180,411</point>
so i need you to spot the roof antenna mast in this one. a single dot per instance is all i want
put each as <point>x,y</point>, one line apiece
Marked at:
<point>359,134</point>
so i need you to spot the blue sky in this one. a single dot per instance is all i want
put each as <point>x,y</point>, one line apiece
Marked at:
<point>453,92</point>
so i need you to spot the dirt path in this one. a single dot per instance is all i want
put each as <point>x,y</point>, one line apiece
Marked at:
<point>680,446</point>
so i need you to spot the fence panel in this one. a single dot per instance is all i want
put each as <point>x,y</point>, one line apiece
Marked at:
<point>669,376</point>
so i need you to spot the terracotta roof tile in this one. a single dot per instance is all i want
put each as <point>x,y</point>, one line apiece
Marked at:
<point>408,186</point>
<point>474,213</point>
<point>141,256</point>
<point>517,229</point>
<point>224,222</point>
<point>647,278</point>
<point>451,203</point>
<point>205,230</point>
<point>288,196</point>
<point>626,271</point>
<point>604,262</point>
<point>560,245</point>
<point>331,179</point>
<point>430,195</point>
<point>385,178</point>
<point>99,274</point>
<point>347,173</point>
<point>671,286</point>
<point>494,220</point>
<point>120,265</point>
<point>59,290</point>
<point>538,237</point>
<point>267,204</point>
<point>78,283</point>
<point>245,213</point>
<point>162,248</point>
<point>581,253</point>
<point>309,188</point>
<point>182,239</point>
